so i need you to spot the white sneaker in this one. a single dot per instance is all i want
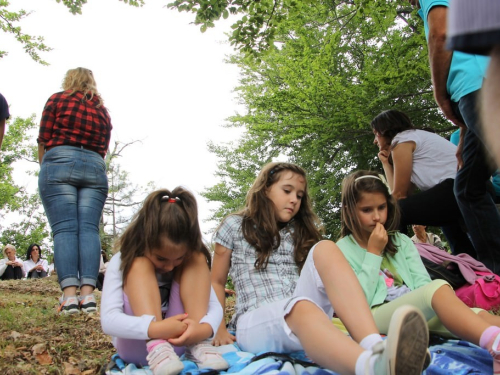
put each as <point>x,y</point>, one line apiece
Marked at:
<point>205,355</point>
<point>404,352</point>
<point>68,306</point>
<point>162,359</point>
<point>88,303</point>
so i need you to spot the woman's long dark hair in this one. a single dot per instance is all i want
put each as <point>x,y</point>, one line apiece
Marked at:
<point>391,122</point>
<point>30,249</point>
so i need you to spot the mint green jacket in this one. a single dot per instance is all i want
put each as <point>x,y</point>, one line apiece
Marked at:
<point>367,267</point>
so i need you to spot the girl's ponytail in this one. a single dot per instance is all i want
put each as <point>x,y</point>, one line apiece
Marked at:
<point>164,214</point>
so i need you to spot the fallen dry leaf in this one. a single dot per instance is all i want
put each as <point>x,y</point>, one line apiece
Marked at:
<point>10,352</point>
<point>88,372</point>
<point>69,369</point>
<point>15,335</point>
<point>38,349</point>
<point>73,360</point>
<point>44,358</point>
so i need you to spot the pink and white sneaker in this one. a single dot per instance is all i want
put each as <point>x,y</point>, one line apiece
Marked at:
<point>205,355</point>
<point>493,348</point>
<point>162,359</point>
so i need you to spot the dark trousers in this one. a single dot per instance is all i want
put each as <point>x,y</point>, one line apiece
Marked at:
<point>100,281</point>
<point>37,275</point>
<point>471,187</point>
<point>438,207</point>
<point>12,273</point>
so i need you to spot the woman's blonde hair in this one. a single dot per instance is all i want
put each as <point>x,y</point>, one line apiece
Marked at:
<point>260,225</point>
<point>8,246</point>
<point>81,79</point>
<point>353,188</point>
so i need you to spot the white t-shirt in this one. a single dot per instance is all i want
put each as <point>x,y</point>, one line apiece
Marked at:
<point>3,265</point>
<point>434,158</point>
<point>28,265</point>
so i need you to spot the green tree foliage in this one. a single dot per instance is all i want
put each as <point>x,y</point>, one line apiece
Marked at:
<point>9,24</point>
<point>75,6</point>
<point>28,223</point>
<point>311,99</point>
<point>256,28</point>
<point>18,145</point>
<point>123,199</point>
<point>33,45</point>
<point>32,227</point>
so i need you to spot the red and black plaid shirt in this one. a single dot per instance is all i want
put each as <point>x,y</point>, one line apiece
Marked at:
<point>73,120</point>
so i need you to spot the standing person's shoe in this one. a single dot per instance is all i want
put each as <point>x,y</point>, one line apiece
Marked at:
<point>68,306</point>
<point>205,355</point>
<point>405,351</point>
<point>88,303</point>
<point>162,359</point>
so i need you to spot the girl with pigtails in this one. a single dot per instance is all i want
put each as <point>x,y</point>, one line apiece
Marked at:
<point>157,301</point>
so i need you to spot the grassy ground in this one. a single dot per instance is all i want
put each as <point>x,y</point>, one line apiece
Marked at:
<point>35,340</point>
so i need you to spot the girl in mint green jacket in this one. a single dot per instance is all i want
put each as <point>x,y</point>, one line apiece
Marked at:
<point>391,273</point>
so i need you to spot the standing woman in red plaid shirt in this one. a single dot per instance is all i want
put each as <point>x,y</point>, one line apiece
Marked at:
<point>73,140</point>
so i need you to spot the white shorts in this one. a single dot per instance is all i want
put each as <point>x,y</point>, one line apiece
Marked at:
<point>265,329</point>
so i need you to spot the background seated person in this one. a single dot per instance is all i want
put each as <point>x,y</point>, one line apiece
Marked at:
<point>34,266</point>
<point>11,267</point>
<point>421,236</point>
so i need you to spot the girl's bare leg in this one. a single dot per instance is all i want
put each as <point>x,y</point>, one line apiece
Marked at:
<point>322,341</point>
<point>194,282</point>
<point>144,298</point>
<point>458,318</point>
<point>343,290</point>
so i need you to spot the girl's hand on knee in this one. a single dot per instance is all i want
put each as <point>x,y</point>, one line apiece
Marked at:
<point>378,240</point>
<point>173,326</point>
<point>223,337</point>
<point>194,333</point>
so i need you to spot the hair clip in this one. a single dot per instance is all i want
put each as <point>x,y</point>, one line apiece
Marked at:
<point>166,198</point>
<point>367,176</point>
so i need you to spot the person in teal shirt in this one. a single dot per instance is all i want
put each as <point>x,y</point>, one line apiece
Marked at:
<point>457,79</point>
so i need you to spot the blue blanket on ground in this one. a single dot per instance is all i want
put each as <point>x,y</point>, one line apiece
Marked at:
<point>448,357</point>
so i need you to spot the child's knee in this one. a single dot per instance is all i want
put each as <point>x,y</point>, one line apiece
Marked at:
<point>327,251</point>
<point>141,264</point>
<point>303,309</point>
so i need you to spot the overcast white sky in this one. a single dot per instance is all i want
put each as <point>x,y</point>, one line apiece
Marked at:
<point>162,80</point>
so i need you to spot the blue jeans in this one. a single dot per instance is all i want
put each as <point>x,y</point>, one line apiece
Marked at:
<point>73,186</point>
<point>480,214</point>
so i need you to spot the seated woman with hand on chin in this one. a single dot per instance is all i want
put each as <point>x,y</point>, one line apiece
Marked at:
<point>414,158</point>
